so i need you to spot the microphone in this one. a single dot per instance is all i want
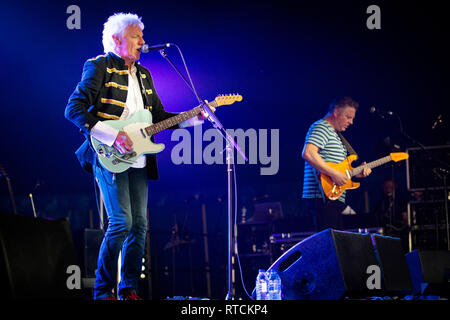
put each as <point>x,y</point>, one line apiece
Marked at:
<point>380,112</point>
<point>440,172</point>
<point>146,48</point>
<point>437,122</point>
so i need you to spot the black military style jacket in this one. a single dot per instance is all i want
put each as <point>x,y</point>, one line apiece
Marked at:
<point>101,95</point>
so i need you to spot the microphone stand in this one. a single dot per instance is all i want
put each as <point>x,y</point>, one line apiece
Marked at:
<point>446,211</point>
<point>165,56</point>
<point>230,143</point>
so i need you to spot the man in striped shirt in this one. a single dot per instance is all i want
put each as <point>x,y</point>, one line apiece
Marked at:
<point>322,145</point>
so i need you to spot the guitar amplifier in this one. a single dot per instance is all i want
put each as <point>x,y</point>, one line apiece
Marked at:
<point>281,242</point>
<point>427,224</point>
<point>426,212</point>
<point>422,167</point>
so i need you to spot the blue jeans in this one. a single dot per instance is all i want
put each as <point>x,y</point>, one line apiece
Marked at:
<point>125,199</point>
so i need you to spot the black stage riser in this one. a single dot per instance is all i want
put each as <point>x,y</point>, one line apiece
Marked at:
<point>34,258</point>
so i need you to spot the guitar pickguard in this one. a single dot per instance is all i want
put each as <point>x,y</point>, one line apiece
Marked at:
<point>111,159</point>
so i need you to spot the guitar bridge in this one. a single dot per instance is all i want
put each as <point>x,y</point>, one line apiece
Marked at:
<point>124,158</point>
<point>129,155</point>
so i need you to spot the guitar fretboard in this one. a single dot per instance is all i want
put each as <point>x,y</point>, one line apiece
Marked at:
<point>165,124</point>
<point>370,165</point>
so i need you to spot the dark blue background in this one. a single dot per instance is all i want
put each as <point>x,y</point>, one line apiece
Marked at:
<point>288,60</point>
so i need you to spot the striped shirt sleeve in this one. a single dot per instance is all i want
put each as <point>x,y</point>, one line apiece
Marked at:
<point>317,135</point>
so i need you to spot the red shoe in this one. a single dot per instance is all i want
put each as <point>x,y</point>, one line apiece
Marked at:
<point>132,296</point>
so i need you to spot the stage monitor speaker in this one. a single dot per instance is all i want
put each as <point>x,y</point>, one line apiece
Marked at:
<point>35,255</point>
<point>329,265</point>
<point>430,271</point>
<point>396,279</point>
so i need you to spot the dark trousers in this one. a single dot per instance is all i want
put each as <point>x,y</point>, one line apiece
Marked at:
<point>126,205</point>
<point>326,214</point>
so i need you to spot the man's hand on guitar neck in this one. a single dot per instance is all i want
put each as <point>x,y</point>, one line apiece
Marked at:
<point>197,120</point>
<point>204,115</point>
<point>366,171</point>
<point>123,142</point>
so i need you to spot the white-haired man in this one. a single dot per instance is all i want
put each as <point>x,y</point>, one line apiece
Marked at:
<point>114,86</point>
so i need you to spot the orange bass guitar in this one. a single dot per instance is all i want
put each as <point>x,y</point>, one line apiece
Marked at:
<point>333,191</point>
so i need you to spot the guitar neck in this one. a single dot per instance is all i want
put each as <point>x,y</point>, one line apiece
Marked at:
<point>165,124</point>
<point>370,165</point>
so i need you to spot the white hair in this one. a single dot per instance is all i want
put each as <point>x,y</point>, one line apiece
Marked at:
<point>116,25</point>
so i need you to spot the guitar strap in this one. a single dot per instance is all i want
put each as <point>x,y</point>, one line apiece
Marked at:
<point>142,87</point>
<point>346,144</point>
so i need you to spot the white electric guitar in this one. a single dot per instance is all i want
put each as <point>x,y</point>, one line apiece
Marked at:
<point>140,128</point>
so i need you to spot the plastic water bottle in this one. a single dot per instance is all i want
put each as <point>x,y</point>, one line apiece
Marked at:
<point>262,285</point>
<point>274,285</point>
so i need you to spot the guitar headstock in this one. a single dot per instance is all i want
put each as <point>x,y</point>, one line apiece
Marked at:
<point>398,156</point>
<point>228,99</point>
